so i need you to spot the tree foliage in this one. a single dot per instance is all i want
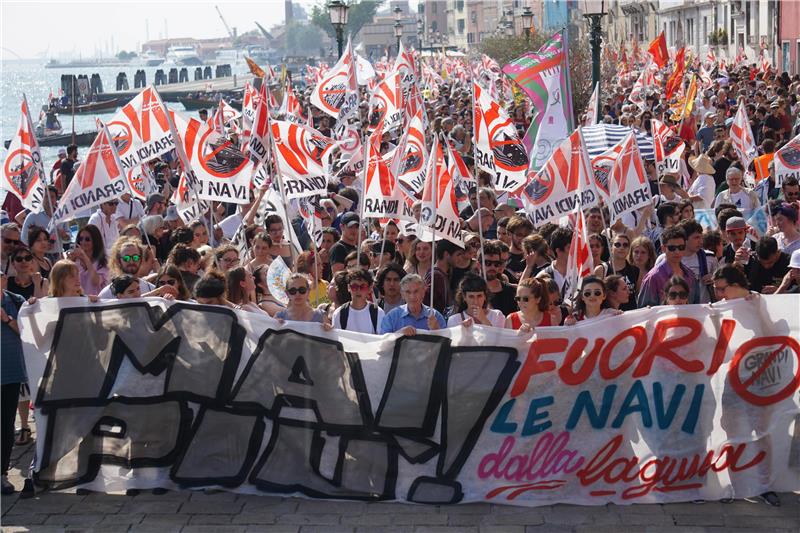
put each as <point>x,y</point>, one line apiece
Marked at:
<point>504,49</point>
<point>360,14</point>
<point>303,39</point>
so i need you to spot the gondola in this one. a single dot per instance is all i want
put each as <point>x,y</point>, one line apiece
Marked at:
<point>91,107</point>
<point>64,139</point>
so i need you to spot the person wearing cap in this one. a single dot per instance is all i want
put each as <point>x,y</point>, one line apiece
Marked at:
<point>62,154</point>
<point>129,211</point>
<point>104,220</point>
<point>701,191</point>
<point>350,225</point>
<point>155,204</point>
<point>706,133</point>
<point>790,190</point>
<point>774,120</point>
<point>742,197</point>
<point>670,188</point>
<point>387,248</point>
<point>738,248</point>
<point>790,284</point>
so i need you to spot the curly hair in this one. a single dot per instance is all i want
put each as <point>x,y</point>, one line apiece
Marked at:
<point>114,265</point>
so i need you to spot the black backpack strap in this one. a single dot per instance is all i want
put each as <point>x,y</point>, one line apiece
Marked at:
<point>373,315</point>
<point>345,312</point>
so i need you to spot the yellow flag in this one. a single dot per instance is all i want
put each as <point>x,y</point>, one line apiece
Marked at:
<point>254,68</point>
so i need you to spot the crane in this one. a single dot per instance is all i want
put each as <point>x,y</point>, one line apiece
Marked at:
<point>231,33</point>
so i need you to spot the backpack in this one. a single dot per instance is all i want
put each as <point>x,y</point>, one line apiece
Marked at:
<point>373,315</point>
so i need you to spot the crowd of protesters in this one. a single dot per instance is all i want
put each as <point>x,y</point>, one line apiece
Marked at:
<point>378,278</point>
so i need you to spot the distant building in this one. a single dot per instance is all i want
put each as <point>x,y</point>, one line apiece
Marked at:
<point>788,56</point>
<point>378,37</point>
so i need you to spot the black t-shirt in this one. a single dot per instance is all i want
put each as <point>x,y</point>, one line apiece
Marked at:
<point>504,301</point>
<point>339,252</point>
<point>630,274</point>
<point>26,291</point>
<point>516,263</point>
<point>759,277</point>
<point>67,170</point>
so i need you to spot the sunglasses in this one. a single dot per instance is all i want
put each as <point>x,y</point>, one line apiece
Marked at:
<point>621,245</point>
<point>84,238</point>
<point>170,282</point>
<point>112,202</point>
<point>674,295</point>
<point>494,263</point>
<point>128,258</point>
<point>12,242</point>
<point>596,292</point>
<point>359,286</point>
<point>46,239</point>
<point>676,247</point>
<point>296,290</point>
<point>522,298</point>
<point>21,258</point>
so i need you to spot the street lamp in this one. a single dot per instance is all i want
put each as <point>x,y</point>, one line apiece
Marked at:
<point>398,33</point>
<point>337,10</point>
<point>527,22</point>
<point>420,31</point>
<point>509,28</point>
<point>593,16</point>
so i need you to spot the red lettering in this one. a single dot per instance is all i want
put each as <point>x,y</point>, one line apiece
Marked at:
<point>533,366</point>
<point>576,353</point>
<point>741,387</point>
<point>721,348</point>
<point>662,347</point>
<point>639,335</point>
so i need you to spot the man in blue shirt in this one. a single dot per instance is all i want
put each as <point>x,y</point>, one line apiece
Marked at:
<point>413,315</point>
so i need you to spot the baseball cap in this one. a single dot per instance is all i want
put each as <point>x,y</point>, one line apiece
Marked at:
<point>350,219</point>
<point>709,114</point>
<point>735,223</point>
<point>794,262</point>
<point>774,105</point>
<point>62,151</point>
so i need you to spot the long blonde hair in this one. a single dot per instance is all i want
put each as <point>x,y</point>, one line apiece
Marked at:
<point>58,275</point>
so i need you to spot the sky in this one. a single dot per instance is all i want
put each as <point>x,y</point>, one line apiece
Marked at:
<point>66,30</point>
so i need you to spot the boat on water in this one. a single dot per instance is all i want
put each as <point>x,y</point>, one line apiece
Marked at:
<point>183,55</point>
<point>63,139</point>
<point>150,58</point>
<point>89,108</point>
<point>191,103</point>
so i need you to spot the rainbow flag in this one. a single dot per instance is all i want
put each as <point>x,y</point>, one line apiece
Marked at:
<point>544,76</point>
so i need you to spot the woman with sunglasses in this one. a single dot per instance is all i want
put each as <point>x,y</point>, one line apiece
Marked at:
<point>227,257</point>
<point>533,300</point>
<point>557,309</point>
<point>242,289</point>
<point>264,298</point>
<point>472,304</point>
<point>170,276</point>
<point>618,264</point>
<point>90,255</point>
<point>306,264</point>
<point>299,308</point>
<point>40,243</point>
<point>676,291</point>
<point>591,302</point>
<point>27,282</point>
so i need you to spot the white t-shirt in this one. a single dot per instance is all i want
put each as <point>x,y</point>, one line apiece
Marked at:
<point>740,199</point>
<point>703,186</point>
<point>496,318</point>
<point>144,286</point>
<point>358,320</point>
<point>129,210</point>
<point>108,230</point>
<point>785,246</point>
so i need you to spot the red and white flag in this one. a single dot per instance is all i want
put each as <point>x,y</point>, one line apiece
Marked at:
<point>99,178</point>
<point>23,172</point>
<point>141,182</point>
<point>498,149</point>
<point>439,214</point>
<point>579,263</point>
<point>628,187</point>
<point>258,146</point>
<point>302,154</point>
<point>336,94</point>
<point>742,138</point>
<point>141,129</point>
<point>406,65</point>
<point>382,197</point>
<point>668,148</point>
<point>291,108</point>
<point>787,161</point>
<point>386,103</point>
<point>411,173</point>
<point>223,172</point>
<point>222,116</point>
<point>564,182</point>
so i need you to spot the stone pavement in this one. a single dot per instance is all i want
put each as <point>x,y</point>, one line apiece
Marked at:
<point>221,512</point>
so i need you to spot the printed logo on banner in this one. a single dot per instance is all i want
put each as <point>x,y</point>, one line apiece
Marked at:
<point>787,161</point>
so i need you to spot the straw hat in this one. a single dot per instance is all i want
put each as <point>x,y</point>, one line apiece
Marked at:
<point>702,164</point>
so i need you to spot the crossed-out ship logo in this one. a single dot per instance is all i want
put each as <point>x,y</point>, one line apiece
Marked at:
<point>790,155</point>
<point>540,186</point>
<point>219,157</point>
<point>21,171</point>
<point>509,153</point>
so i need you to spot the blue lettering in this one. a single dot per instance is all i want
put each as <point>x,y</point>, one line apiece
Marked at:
<point>531,427</point>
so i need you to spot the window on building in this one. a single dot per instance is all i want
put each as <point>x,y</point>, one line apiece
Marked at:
<point>690,31</point>
<point>473,17</point>
<point>461,26</point>
<point>470,38</point>
<point>459,5</point>
<point>434,7</point>
<point>705,30</point>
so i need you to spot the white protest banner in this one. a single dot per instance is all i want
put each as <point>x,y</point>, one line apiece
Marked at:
<point>787,161</point>
<point>23,172</point>
<point>411,172</point>
<point>668,148</point>
<point>386,103</point>
<point>628,187</point>
<point>141,129</point>
<point>667,404</point>
<point>565,180</point>
<point>99,178</point>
